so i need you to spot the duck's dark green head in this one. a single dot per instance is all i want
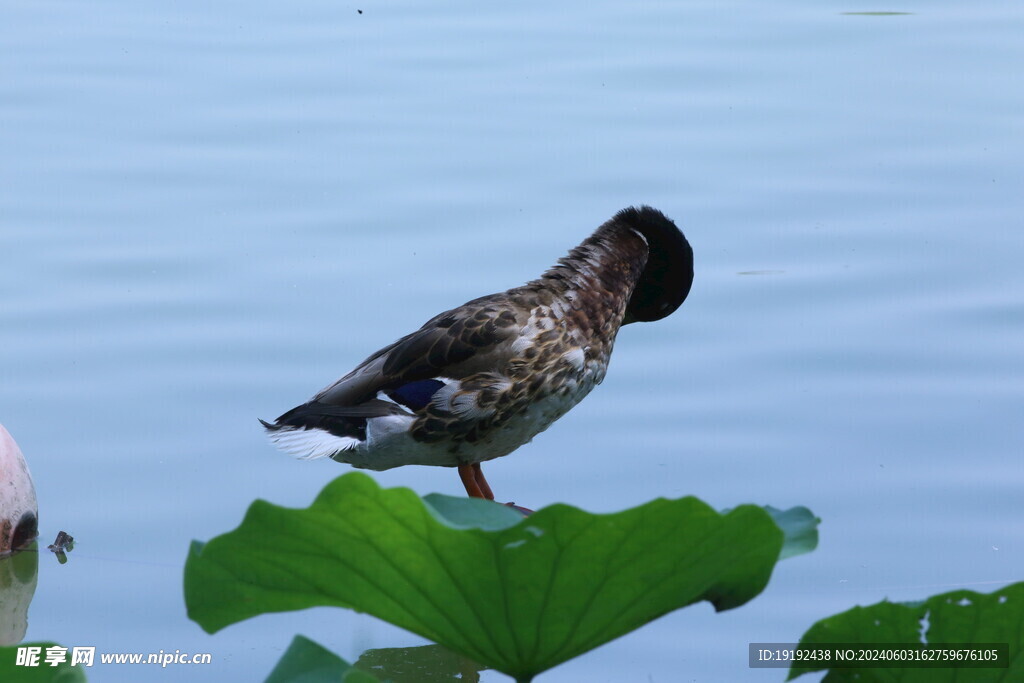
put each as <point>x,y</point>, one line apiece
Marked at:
<point>667,277</point>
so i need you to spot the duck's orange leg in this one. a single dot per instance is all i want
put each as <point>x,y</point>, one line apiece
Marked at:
<point>473,479</point>
<point>469,481</point>
<point>478,474</point>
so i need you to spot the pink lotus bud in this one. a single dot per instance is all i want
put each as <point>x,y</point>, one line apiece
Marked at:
<point>19,512</point>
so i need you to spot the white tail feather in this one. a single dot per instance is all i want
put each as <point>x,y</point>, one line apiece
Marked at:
<point>310,444</point>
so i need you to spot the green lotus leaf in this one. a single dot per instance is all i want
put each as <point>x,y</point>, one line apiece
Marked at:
<point>417,664</point>
<point>307,662</point>
<point>800,527</point>
<point>961,618</point>
<point>517,594</point>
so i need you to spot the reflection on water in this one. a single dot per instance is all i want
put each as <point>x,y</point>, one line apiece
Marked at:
<point>19,572</point>
<point>18,577</point>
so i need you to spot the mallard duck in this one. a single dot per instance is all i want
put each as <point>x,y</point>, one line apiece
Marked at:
<point>479,381</point>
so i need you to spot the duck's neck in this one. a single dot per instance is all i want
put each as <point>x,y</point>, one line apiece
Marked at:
<point>598,276</point>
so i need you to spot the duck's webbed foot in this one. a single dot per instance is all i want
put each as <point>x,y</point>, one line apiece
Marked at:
<point>519,508</point>
<point>477,487</point>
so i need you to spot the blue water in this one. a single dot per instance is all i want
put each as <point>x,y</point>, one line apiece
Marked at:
<point>209,211</point>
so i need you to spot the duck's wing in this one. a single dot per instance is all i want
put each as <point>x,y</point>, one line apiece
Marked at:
<point>472,338</point>
<point>402,379</point>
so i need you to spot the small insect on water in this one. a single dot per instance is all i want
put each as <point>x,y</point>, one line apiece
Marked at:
<point>480,380</point>
<point>64,543</point>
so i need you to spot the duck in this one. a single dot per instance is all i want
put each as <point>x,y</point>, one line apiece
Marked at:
<point>476,382</point>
